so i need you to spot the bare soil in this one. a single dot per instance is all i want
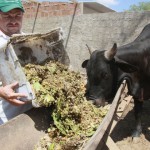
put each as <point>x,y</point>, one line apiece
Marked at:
<point>123,130</point>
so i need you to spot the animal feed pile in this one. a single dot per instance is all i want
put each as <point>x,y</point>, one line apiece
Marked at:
<point>74,118</point>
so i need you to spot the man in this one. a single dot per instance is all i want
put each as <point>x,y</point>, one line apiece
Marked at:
<point>11,15</point>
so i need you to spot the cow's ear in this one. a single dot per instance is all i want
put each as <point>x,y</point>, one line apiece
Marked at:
<point>126,67</point>
<point>84,64</point>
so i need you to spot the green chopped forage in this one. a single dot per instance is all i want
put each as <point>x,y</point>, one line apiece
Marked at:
<point>74,118</point>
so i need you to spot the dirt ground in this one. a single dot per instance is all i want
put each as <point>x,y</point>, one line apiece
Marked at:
<point>122,132</point>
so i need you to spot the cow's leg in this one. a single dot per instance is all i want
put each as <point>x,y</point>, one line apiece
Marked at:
<point>138,106</point>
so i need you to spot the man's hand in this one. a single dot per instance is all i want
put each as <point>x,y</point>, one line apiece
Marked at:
<point>7,92</point>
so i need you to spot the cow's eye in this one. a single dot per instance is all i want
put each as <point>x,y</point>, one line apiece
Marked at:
<point>105,75</point>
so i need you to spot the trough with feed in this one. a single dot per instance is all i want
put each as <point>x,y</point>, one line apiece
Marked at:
<point>28,128</point>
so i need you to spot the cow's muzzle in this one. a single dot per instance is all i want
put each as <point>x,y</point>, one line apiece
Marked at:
<point>100,102</point>
<point>96,101</point>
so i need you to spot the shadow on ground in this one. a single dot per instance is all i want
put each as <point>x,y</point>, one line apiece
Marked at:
<point>121,134</point>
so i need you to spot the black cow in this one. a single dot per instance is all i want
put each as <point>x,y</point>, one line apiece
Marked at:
<point>107,69</point>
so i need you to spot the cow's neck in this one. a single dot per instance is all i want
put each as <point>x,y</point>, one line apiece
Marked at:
<point>118,77</point>
<point>124,76</point>
<point>114,70</point>
<point>133,53</point>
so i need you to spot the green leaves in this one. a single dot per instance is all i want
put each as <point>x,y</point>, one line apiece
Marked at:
<point>51,146</point>
<point>58,123</point>
<point>52,68</point>
<point>74,119</point>
<point>37,86</point>
<point>49,98</point>
<point>141,6</point>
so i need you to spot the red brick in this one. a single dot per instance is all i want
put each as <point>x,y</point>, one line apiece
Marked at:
<point>28,16</point>
<point>50,13</point>
<point>64,12</point>
<point>46,15</point>
<point>41,8</point>
<point>42,14</point>
<point>57,13</point>
<point>35,4</point>
<point>64,3</point>
<point>63,7</point>
<point>50,8</point>
<point>51,3</point>
<point>45,3</point>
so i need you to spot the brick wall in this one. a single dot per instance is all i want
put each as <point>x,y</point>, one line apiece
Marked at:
<point>47,9</point>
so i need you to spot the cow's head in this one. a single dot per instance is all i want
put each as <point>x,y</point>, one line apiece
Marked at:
<point>102,74</point>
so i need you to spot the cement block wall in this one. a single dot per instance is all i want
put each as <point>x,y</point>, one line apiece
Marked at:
<point>98,31</point>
